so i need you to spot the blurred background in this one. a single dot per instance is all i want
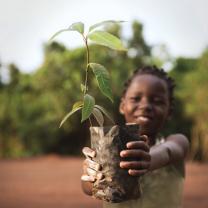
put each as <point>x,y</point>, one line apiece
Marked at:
<point>40,81</point>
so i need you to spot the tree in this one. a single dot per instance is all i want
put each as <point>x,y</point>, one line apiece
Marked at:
<point>32,105</point>
<point>197,100</point>
<point>191,79</point>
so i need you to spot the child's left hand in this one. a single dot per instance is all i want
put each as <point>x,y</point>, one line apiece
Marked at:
<point>140,151</point>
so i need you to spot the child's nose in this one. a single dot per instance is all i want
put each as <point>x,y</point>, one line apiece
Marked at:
<point>145,104</point>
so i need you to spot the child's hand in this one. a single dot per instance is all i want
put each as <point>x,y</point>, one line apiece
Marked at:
<point>90,168</point>
<point>140,151</point>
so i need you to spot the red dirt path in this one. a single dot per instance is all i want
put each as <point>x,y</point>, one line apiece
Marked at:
<point>54,182</point>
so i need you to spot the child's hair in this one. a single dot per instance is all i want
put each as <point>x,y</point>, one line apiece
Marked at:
<point>153,70</point>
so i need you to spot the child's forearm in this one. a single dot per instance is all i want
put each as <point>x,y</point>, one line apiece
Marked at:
<point>170,152</point>
<point>159,157</point>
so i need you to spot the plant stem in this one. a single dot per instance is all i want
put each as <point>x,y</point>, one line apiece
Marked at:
<point>86,71</point>
<point>90,121</point>
<point>87,65</point>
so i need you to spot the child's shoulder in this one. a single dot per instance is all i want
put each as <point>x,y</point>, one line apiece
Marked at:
<point>179,141</point>
<point>177,138</point>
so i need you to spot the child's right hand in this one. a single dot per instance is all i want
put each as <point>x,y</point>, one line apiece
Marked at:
<point>139,150</point>
<point>91,169</point>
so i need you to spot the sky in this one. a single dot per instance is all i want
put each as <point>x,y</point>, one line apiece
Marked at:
<point>25,25</point>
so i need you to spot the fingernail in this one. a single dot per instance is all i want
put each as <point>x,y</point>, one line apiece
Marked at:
<point>145,137</point>
<point>88,152</point>
<point>93,164</point>
<point>91,154</point>
<point>128,145</point>
<point>87,178</point>
<point>122,153</point>
<point>91,172</point>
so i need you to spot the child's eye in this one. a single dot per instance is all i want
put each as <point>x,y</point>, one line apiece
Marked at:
<point>158,100</point>
<point>135,99</point>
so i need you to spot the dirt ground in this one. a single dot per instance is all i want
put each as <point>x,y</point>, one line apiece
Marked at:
<point>54,182</point>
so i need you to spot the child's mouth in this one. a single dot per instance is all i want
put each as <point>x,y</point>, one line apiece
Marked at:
<point>143,119</point>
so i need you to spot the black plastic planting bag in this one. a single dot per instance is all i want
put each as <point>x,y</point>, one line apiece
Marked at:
<point>116,185</point>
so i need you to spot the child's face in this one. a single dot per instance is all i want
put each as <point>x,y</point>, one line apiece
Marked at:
<point>146,103</point>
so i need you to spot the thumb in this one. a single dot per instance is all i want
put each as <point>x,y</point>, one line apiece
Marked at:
<point>88,152</point>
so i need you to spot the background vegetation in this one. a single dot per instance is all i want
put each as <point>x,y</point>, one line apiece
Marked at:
<point>32,105</point>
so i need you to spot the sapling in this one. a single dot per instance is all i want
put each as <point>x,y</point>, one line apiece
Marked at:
<point>100,37</point>
<point>116,185</point>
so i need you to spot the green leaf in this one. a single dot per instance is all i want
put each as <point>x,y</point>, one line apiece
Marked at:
<point>103,79</point>
<point>105,112</point>
<point>77,26</point>
<point>103,23</point>
<point>88,106</point>
<point>75,108</point>
<point>106,39</point>
<point>57,33</point>
<point>98,116</point>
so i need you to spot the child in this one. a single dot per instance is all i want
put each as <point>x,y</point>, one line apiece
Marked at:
<point>148,101</point>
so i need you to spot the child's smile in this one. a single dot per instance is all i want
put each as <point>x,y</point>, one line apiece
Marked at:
<point>143,119</point>
<point>146,102</point>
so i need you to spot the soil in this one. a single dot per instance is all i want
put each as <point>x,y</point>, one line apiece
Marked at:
<point>53,181</point>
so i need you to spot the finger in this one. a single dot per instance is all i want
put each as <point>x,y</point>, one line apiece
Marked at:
<point>99,176</point>
<point>91,172</point>
<point>133,172</point>
<point>92,164</point>
<point>88,163</point>
<point>144,138</point>
<point>134,165</point>
<point>94,174</point>
<point>138,145</point>
<point>88,152</point>
<point>135,153</point>
<point>88,178</point>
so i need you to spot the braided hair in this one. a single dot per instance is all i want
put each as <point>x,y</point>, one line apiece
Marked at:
<point>160,73</point>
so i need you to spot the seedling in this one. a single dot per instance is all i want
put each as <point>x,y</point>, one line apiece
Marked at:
<point>87,104</point>
<point>106,141</point>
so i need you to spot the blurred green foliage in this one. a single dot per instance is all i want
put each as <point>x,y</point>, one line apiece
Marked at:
<point>192,87</point>
<point>32,105</point>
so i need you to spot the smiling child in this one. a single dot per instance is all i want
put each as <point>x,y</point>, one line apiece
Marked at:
<point>147,100</point>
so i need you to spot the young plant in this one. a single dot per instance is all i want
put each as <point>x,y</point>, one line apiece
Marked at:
<point>100,37</point>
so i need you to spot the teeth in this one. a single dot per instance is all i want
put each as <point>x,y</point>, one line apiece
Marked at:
<point>143,118</point>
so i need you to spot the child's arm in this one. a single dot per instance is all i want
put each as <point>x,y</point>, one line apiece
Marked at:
<point>173,150</point>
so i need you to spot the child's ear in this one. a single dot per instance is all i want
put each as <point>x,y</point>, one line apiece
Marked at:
<point>121,107</point>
